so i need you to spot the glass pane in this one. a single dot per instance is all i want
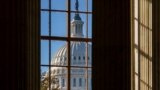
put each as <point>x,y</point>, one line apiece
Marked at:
<point>59,4</point>
<point>59,53</point>
<point>89,25</point>
<point>44,52</point>
<point>59,78</point>
<point>82,5</point>
<point>59,24</point>
<point>90,5</point>
<point>44,23</point>
<point>79,79</point>
<point>76,75</point>
<point>44,78</point>
<point>78,25</point>
<point>79,54</point>
<point>44,4</point>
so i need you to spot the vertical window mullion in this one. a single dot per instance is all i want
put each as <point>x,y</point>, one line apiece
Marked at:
<point>87,37</point>
<point>87,46</point>
<point>50,18</point>
<point>68,45</point>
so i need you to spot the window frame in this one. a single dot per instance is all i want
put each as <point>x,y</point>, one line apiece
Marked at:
<point>33,24</point>
<point>67,39</point>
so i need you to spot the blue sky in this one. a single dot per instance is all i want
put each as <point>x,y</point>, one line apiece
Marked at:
<point>59,24</point>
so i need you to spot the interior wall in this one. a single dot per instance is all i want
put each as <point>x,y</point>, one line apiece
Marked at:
<point>156,44</point>
<point>111,43</point>
<point>142,44</point>
<point>13,41</point>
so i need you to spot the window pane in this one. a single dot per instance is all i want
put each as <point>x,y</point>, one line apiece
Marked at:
<point>76,74</point>
<point>84,23</point>
<point>59,53</point>
<point>79,54</point>
<point>44,23</point>
<point>79,79</point>
<point>44,78</point>
<point>90,5</point>
<point>78,25</point>
<point>82,5</point>
<point>59,78</point>
<point>80,82</point>
<point>63,82</point>
<point>59,24</point>
<point>44,52</point>
<point>89,25</point>
<point>59,4</point>
<point>44,4</point>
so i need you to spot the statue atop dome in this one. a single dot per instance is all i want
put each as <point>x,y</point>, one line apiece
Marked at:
<point>76,5</point>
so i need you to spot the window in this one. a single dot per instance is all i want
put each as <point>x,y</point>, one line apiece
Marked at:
<point>83,57</point>
<point>80,82</point>
<point>79,57</point>
<point>74,82</point>
<point>63,82</point>
<point>142,45</point>
<point>66,34</point>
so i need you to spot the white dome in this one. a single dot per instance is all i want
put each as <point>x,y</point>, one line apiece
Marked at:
<point>78,58</point>
<point>78,55</point>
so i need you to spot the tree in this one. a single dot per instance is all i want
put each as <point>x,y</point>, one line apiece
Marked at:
<point>53,81</point>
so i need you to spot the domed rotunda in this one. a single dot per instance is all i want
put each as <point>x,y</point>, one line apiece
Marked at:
<point>80,58</point>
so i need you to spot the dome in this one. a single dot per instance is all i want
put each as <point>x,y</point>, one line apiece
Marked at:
<point>77,17</point>
<point>78,58</point>
<point>78,55</point>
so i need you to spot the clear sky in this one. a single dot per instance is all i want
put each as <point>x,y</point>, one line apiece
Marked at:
<point>59,24</point>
